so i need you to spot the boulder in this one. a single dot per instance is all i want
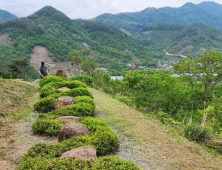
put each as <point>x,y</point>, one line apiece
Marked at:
<point>61,73</point>
<point>67,118</point>
<point>64,101</point>
<point>64,88</point>
<point>70,129</point>
<point>84,152</point>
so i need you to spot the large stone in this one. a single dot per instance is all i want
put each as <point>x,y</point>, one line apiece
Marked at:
<point>64,88</point>
<point>64,101</point>
<point>61,73</point>
<point>67,118</point>
<point>84,152</point>
<point>70,129</point>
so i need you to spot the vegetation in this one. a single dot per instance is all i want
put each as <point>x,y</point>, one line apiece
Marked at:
<point>189,101</point>
<point>68,164</point>
<point>4,16</point>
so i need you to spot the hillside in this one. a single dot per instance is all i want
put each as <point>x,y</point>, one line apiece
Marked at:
<point>53,30</point>
<point>178,39</point>
<point>5,16</point>
<point>207,13</point>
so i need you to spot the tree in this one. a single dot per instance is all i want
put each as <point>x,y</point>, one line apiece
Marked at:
<point>89,66</point>
<point>86,51</point>
<point>136,63</point>
<point>207,69</point>
<point>76,61</point>
<point>19,66</point>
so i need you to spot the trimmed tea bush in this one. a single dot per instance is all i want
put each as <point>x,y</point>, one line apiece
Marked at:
<point>48,90</point>
<point>49,79</point>
<point>68,84</point>
<point>103,163</point>
<point>78,109</point>
<point>47,126</point>
<point>45,105</point>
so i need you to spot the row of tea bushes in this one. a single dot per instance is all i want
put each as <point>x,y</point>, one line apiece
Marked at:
<point>102,163</point>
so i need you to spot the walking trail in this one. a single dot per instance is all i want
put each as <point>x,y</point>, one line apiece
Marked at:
<point>148,143</point>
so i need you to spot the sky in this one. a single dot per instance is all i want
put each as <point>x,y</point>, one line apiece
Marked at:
<point>87,9</point>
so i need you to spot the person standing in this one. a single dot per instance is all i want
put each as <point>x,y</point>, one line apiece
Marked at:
<point>43,71</point>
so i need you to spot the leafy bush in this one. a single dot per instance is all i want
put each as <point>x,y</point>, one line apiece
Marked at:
<point>72,93</point>
<point>79,109</point>
<point>84,78</point>
<point>49,79</point>
<point>48,90</point>
<point>47,126</point>
<point>85,99</point>
<point>197,133</point>
<point>68,84</point>
<point>45,105</point>
<point>104,163</point>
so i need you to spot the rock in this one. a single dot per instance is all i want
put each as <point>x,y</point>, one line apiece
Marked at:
<point>70,129</point>
<point>64,88</point>
<point>84,152</point>
<point>61,73</point>
<point>66,118</point>
<point>64,101</point>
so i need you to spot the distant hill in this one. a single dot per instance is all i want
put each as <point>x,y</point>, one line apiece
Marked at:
<point>179,39</point>
<point>208,13</point>
<point>5,16</point>
<point>59,34</point>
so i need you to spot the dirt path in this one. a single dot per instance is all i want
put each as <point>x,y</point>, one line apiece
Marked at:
<point>148,144</point>
<point>20,139</point>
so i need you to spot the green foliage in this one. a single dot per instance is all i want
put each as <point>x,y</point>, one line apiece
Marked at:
<point>79,109</point>
<point>47,90</point>
<point>45,105</point>
<point>77,92</point>
<point>19,66</point>
<point>47,126</point>
<point>69,84</point>
<point>197,133</point>
<point>4,16</point>
<point>84,78</point>
<point>49,79</point>
<point>101,137</point>
<point>104,163</point>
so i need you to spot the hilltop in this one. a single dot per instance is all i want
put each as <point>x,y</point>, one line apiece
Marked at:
<point>5,16</point>
<point>53,30</point>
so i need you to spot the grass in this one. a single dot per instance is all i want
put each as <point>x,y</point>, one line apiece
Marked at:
<point>16,104</point>
<point>159,146</point>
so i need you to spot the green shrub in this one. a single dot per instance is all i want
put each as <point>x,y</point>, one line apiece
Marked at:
<point>72,93</point>
<point>103,163</point>
<point>45,105</point>
<point>85,99</point>
<point>79,109</point>
<point>102,137</point>
<point>196,132</point>
<point>49,79</point>
<point>68,84</point>
<point>48,90</point>
<point>47,126</point>
<point>84,78</point>
<point>77,92</point>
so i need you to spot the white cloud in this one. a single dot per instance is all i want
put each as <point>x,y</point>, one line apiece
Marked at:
<point>87,8</point>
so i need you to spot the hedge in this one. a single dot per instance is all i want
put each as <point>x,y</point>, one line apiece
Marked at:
<point>84,78</point>
<point>102,137</point>
<point>49,91</point>
<point>49,79</point>
<point>68,84</point>
<point>47,104</point>
<point>102,163</point>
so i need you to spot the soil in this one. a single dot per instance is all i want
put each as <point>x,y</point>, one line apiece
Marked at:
<point>40,54</point>
<point>18,139</point>
<point>5,40</point>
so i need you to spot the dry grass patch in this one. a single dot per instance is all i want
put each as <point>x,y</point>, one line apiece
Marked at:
<point>16,102</point>
<point>157,145</point>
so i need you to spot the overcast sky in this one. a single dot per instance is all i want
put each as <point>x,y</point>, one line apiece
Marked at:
<point>88,8</point>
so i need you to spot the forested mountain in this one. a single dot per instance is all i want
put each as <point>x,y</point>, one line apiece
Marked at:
<point>207,13</point>
<point>52,29</point>
<point>4,16</point>
<point>179,39</point>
